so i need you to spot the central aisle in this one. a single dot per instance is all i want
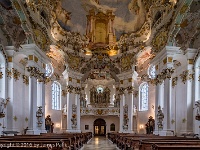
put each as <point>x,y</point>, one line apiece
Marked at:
<point>99,143</point>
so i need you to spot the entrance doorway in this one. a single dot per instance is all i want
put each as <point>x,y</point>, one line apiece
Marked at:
<point>99,127</point>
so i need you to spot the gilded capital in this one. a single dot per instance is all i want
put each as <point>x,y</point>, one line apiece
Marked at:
<point>13,73</point>
<point>77,90</point>
<point>130,89</point>
<point>70,88</point>
<point>121,90</point>
<point>168,72</point>
<point>186,75</point>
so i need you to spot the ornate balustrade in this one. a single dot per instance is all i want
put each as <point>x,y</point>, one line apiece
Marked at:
<point>100,111</point>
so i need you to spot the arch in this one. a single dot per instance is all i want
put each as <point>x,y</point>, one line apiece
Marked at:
<point>143,96</point>
<point>112,127</point>
<point>56,96</point>
<point>99,127</point>
<point>151,71</point>
<point>49,70</point>
<point>20,60</point>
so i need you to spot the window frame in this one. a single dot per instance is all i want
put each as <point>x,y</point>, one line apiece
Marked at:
<point>56,96</point>
<point>141,101</point>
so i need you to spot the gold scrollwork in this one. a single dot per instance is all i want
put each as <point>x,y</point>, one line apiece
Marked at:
<point>13,73</point>
<point>64,93</point>
<point>70,88</point>
<point>135,93</point>
<point>25,79</point>
<point>77,90</point>
<point>121,90</point>
<point>130,89</point>
<point>174,81</point>
<point>186,75</point>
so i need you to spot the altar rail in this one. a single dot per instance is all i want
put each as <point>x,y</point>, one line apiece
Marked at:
<point>100,111</point>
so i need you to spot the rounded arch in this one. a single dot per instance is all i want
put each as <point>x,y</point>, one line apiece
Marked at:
<point>182,59</point>
<point>151,71</point>
<point>100,127</point>
<point>56,95</point>
<point>20,60</point>
<point>143,96</point>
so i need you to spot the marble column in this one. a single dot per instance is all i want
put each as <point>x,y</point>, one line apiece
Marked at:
<point>78,129</point>
<point>129,99</point>
<point>70,97</point>
<point>122,103</point>
<point>187,120</point>
<point>41,102</point>
<point>167,107</point>
<point>32,106</point>
<point>159,102</point>
<point>197,98</point>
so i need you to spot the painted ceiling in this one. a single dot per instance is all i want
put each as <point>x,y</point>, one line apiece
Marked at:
<point>129,14</point>
<point>63,30</point>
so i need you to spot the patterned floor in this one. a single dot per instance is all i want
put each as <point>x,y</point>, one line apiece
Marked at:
<point>99,143</point>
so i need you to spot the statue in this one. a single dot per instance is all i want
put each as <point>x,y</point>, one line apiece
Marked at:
<point>64,110</point>
<point>134,110</point>
<point>3,105</point>
<point>150,125</point>
<point>39,115</point>
<point>160,117</point>
<point>48,123</point>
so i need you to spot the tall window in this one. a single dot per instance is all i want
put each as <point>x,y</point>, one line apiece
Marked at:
<point>143,97</point>
<point>56,96</point>
<point>152,71</point>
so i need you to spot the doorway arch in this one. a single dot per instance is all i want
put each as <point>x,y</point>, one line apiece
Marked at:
<point>99,127</point>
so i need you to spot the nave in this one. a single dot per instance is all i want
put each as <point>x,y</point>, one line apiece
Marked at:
<point>99,143</point>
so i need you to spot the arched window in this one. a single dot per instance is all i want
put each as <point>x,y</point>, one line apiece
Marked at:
<point>112,127</point>
<point>56,96</point>
<point>152,71</point>
<point>49,70</point>
<point>143,101</point>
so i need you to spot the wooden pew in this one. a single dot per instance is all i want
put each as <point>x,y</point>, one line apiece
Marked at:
<point>71,141</point>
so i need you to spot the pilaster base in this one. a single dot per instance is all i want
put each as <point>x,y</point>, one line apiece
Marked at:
<point>164,133</point>
<point>126,131</point>
<point>186,133</point>
<point>35,132</point>
<point>73,131</point>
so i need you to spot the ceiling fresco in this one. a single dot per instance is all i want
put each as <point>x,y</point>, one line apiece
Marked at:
<point>129,14</point>
<point>100,38</point>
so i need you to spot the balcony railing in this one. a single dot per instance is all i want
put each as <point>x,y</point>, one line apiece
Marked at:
<point>100,111</point>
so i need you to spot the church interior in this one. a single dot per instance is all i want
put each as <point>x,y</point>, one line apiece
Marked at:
<point>100,67</point>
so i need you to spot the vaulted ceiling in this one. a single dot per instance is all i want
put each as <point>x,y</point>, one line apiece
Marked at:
<point>117,34</point>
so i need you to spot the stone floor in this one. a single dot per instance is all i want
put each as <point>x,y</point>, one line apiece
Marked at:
<point>99,143</point>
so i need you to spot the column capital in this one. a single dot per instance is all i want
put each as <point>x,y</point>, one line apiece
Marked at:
<point>187,75</point>
<point>70,88</point>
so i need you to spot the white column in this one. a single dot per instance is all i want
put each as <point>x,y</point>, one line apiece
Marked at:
<point>158,102</point>
<point>32,106</point>
<point>167,109</point>
<point>129,99</point>
<point>9,114</point>
<point>121,113</point>
<point>70,101</point>
<point>196,129</point>
<point>41,102</point>
<point>78,112</point>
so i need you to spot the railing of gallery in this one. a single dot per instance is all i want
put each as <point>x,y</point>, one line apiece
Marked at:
<point>100,111</point>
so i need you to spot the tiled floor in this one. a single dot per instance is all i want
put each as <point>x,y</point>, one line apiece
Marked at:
<point>99,143</point>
